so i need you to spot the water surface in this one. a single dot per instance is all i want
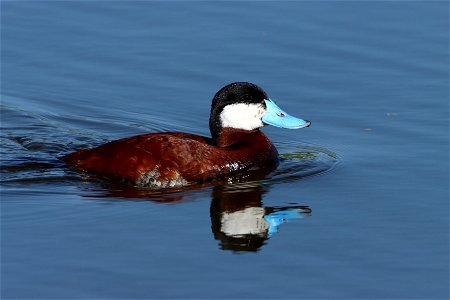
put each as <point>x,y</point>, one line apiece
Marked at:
<point>357,209</point>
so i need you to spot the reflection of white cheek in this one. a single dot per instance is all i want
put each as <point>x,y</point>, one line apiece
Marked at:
<point>246,221</point>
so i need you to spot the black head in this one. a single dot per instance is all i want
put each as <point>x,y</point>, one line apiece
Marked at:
<point>234,93</point>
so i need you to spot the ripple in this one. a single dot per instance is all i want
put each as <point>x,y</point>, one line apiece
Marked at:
<point>302,160</point>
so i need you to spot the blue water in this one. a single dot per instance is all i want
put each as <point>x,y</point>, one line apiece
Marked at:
<point>357,209</point>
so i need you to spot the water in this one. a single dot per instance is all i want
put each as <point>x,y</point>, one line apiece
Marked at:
<point>364,190</point>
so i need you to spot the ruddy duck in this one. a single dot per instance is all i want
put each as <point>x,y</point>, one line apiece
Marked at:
<point>172,159</point>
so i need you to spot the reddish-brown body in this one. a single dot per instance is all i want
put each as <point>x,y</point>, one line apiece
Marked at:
<point>175,156</point>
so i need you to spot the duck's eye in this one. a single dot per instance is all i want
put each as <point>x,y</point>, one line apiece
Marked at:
<point>281,114</point>
<point>247,98</point>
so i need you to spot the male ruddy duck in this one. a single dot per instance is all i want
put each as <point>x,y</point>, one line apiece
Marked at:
<point>171,159</point>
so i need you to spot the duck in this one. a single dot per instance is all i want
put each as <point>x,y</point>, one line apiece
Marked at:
<point>176,159</point>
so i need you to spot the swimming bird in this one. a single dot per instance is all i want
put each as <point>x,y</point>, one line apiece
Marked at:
<point>174,159</point>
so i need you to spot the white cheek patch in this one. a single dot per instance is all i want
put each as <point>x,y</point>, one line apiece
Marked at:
<point>242,116</point>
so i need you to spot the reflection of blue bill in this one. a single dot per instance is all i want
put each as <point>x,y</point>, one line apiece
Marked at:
<point>279,217</point>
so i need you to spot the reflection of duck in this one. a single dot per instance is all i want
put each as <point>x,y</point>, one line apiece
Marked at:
<point>173,159</point>
<point>241,222</point>
<point>238,218</point>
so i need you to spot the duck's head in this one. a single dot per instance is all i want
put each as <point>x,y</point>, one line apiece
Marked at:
<point>245,106</point>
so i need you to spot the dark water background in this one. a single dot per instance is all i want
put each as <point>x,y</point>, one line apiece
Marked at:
<point>364,190</point>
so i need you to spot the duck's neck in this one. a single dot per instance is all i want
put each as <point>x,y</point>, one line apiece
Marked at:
<point>230,136</point>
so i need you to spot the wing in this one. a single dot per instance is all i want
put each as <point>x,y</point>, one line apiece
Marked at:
<point>170,154</point>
